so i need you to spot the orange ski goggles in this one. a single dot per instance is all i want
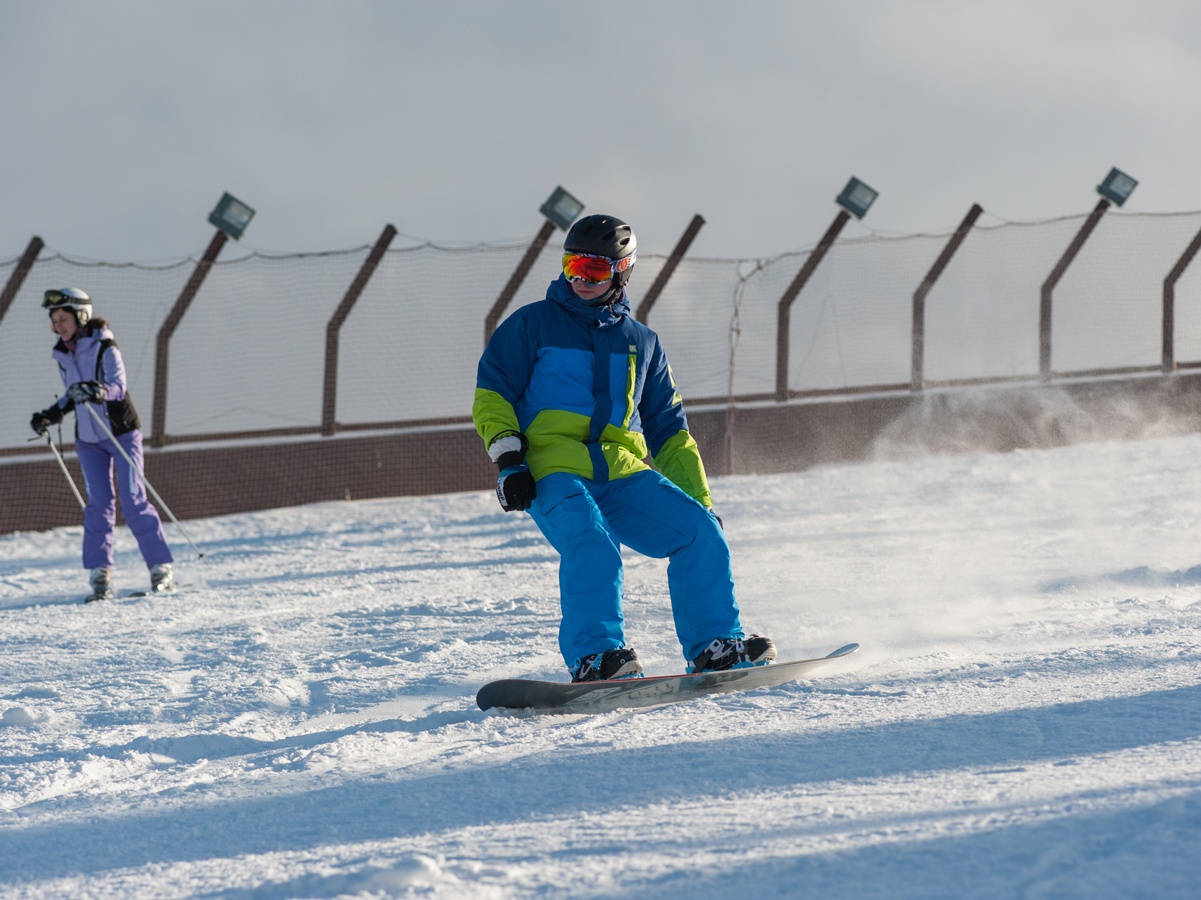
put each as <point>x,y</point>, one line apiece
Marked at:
<point>592,269</point>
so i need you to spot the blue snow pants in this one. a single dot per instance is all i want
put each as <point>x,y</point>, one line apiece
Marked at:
<point>588,521</point>
<point>99,461</point>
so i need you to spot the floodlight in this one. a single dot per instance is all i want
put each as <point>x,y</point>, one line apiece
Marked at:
<point>856,198</point>
<point>562,208</point>
<point>1116,187</point>
<point>231,215</point>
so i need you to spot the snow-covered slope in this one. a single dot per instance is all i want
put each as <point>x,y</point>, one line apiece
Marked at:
<point>1024,718</point>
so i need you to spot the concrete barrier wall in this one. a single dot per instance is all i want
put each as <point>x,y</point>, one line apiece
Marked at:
<point>203,481</point>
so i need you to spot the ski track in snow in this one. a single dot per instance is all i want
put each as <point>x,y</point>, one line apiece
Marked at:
<point>1023,719</point>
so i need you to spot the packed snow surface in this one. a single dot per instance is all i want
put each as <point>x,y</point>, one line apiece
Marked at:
<point>1023,719</point>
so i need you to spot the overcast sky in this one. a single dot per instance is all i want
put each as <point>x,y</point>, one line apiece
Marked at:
<point>124,121</point>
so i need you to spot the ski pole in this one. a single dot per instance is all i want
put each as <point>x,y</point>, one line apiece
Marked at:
<point>62,465</point>
<point>142,477</point>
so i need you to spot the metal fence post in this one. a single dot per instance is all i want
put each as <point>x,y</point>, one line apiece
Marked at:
<point>669,267</point>
<point>784,310</point>
<point>329,391</point>
<point>1044,313</point>
<point>1169,302</point>
<point>17,278</point>
<point>917,377</point>
<point>515,280</point>
<point>162,342</point>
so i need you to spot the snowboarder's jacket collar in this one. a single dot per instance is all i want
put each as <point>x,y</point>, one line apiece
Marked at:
<point>611,314</point>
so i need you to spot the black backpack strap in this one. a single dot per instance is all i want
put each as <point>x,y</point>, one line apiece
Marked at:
<point>122,414</point>
<point>104,345</point>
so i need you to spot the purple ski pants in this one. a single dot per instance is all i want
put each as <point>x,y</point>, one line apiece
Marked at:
<point>99,463</point>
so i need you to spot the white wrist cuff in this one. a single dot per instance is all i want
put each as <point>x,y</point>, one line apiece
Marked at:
<point>510,443</point>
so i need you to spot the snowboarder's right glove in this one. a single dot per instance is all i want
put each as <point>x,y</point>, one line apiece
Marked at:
<point>41,421</point>
<point>514,485</point>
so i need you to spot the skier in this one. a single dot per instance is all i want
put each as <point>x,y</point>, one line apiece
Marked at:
<point>93,373</point>
<point>572,394</point>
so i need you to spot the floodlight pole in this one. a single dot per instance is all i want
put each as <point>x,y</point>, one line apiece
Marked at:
<point>329,394</point>
<point>669,267</point>
<point>515,280</point>
<point>783,311</point>
<point>1169,302</point>
<point>158,436</point>
<point>1044,318</point>
<point>17,278</point>
<point>917,376</point>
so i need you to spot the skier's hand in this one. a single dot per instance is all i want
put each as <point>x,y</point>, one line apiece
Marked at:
<point>514,485</point>
<point>86,392</point>
<point>515,488</point>
<point>42,420</point>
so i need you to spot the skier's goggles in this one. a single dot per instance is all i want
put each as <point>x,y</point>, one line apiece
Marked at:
<point>592,269</point>
<point>52,299</point>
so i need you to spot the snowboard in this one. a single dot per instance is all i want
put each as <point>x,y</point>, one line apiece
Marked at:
<point>654,690</point>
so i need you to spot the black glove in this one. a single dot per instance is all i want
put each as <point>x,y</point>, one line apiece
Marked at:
<point>514,485</point>
<point>86,392</point>
<point>515,488</point>
<point>41,421</point>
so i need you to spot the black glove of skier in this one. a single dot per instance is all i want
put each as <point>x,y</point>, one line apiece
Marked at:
<point>86,392</point>
<point>41,421</point>
<point>515,488</point>
<point>514,485</point>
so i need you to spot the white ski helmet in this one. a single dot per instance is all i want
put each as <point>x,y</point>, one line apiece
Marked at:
<point>69,298</point>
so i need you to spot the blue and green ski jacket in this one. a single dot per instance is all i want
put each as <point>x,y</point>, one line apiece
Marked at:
<point>592,391</point>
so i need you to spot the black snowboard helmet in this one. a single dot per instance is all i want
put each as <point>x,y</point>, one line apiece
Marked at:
<point>608,236</point>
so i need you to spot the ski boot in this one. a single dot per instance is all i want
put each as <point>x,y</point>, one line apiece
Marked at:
<point>162,581</point>
<point>102,585</point>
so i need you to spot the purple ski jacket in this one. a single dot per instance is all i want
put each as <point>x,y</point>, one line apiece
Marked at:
<point>94,357</point>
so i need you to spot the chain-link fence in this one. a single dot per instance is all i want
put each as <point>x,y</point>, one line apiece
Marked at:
<point>249,356</point>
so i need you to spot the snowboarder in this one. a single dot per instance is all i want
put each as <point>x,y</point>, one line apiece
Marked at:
<point>572,395</point>
<point>93,373</point>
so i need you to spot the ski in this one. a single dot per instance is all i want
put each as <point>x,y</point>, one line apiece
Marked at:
<point>110,594</point>
<point>654,690</point>
<point>151,593</point>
